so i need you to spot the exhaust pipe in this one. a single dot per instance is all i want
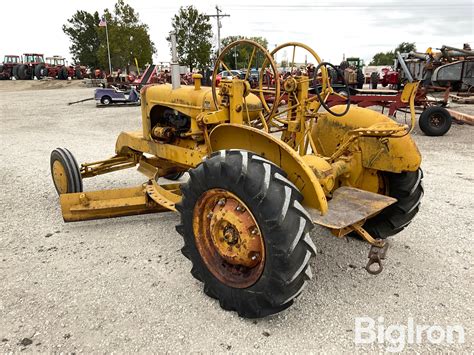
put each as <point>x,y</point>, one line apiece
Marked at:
<point>175,77</point>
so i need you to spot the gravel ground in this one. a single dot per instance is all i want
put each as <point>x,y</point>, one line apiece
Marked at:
<point>123,285</point>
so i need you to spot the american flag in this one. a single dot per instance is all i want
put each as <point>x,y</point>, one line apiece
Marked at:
<point>102,22</point>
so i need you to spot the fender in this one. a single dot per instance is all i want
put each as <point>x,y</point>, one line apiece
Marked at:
<point>396,155</point>
<point>232,136</point>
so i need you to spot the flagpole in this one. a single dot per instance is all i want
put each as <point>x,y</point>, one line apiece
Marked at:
<point>108,47</point>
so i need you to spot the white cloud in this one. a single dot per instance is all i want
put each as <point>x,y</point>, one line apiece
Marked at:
<point>356,28</point>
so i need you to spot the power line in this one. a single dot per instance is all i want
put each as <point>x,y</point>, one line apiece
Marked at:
<point>218,16</point>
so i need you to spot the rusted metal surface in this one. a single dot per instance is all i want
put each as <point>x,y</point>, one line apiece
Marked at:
<point>107,203</point>
<point>166,196</point>
<point>230,136</point>
<point>463,117</point>
<point>228,238</point>
<point>462,99</point>
<point>109,165</point>
<point>394,100</point>
<point>376,255</point>
<point>349,206</point>
<point>59,177</point>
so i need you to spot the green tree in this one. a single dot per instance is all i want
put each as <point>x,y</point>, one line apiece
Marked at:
<point>193,37</point>
<point>128,38</point>
<point>387,58</point>
<point>239,57</point>
<point>405,47</point>
<point>82,31</point>
<point>383,58</point>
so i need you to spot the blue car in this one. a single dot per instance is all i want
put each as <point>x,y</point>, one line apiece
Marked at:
<point>116,96</point>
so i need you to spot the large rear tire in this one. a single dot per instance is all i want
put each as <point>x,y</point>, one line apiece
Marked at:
<point>63,73</point>
<point>15,72</point>
<point>65,171</point>
<point>273,277</point>
<point>23,72</point>
<point>78,73</point>
<point>374,80</point>
<point>360,79</point>
<point>407,188</point>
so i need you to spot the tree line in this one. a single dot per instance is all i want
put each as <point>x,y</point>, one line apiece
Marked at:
<point>129,40</point>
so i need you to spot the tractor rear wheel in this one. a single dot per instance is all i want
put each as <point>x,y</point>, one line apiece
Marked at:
<point>435,121</point>
<point>23,72</point>
<point>407,188</point>
<point>78,73</point>
<point>246,233</point>
<point>63,74</point>
<point>360,79</point>
<point>15,72</point>
<point>65,171</point>
<point>374,80</point>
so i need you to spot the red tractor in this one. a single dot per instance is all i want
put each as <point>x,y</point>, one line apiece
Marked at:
<point>33,66</point>
<point>57,68</point>
<point>390,78</point>
<point>9,67</point>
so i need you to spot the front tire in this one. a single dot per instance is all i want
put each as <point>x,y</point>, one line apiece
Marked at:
<point>407,188</point>
<point>276,273</point>
<point>65,171</point>
<point>39,71</point>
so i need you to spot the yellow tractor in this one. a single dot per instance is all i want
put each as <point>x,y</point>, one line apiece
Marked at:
<point>265,164</point>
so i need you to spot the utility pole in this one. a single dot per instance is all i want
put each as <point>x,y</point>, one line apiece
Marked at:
<point>218,16</point>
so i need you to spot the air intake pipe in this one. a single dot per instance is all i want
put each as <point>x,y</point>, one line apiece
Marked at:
<point>175,77</point>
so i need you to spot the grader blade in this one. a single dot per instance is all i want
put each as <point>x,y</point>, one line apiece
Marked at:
<point>349,206</point>
<point>108,203</point>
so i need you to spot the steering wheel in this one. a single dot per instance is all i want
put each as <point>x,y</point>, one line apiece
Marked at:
<point>328,90</point>
<point>269,65</point>
<point>289,82</point>
<point>291,75</point>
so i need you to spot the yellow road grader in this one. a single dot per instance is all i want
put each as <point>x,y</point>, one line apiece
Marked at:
<point>262,171</point>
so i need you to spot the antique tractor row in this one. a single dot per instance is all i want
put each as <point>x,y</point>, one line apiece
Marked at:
<point>33,65</point>
<point>261,174</point>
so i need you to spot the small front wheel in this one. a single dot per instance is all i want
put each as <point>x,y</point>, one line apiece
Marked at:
<point>65,171</point>
<point>435,121</point>
<point>246,233</point>
<point>106,100</point>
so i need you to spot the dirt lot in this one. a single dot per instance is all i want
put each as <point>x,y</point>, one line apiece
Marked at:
<point>123,285</point>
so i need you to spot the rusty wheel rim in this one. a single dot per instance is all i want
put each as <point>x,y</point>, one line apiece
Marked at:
<point>59,177</point>
<point>228,238</point>
<point>436,120</point>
